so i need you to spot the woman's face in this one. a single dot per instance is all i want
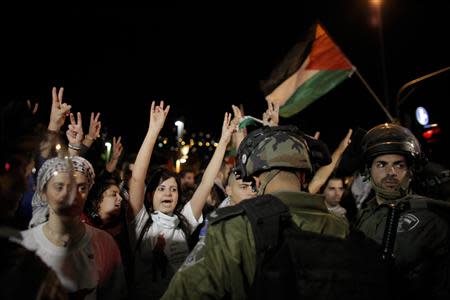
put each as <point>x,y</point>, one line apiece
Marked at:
<point>165,197</point>
<point>110,203</point>
<point>67,193</point>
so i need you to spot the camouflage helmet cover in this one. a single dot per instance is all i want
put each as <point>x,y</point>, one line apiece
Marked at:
<point>270,148</point>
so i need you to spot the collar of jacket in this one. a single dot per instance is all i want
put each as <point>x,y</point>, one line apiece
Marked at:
<point>302,200</point>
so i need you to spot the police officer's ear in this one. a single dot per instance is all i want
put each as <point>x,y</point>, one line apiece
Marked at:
<point>302,178</point>
<point>228,189</point>
<point>256,183</point>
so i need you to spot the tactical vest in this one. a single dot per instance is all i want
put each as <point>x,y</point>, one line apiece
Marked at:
<point>293,263</point>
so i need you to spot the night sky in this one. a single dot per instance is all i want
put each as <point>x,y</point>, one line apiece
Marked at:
<point>116,60</point>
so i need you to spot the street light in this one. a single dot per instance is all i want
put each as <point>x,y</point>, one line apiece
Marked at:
<point>108,151</point>
<point>180,128</point>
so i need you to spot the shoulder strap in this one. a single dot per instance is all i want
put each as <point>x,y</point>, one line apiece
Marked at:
<point>130,277</point>
<point>225,213</point>
<point>267,216</point>
<point>265,213</point>
<point>439,207</point>
<point>141,234</point>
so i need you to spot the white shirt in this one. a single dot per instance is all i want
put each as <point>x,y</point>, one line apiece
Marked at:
<point>92,267</point>
<point>146,286</point>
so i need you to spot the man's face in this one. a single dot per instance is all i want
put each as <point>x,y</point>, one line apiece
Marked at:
<point>239,190</point>
<point>333,192</point>
<point>389,170</point>
<point>188,180</point>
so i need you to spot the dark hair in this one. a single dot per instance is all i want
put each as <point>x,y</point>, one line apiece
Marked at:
<point>95,197</point>
<point>332,177</point>
<point>158,176</point>
<point>184,172</point>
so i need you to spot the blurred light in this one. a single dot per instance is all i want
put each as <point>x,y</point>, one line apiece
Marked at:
<point>207,144</point>
<point>216,144</point>
<point>183,143</point>
<point>376,3</point>
<point>182,160</point>
<point>34,170</point>
<point>160,145</point>
<point>185,150</point>
<point>422,116</point>
<point>200,144</point>
<point>430,133</point>
<point>177,166</point>
<point>108,150</point>
<point>58,147</point>
<point>375,13</point>
<point>165,141</point>
<point>180,128</point>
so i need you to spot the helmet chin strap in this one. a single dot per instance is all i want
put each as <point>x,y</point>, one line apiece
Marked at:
<point>270,175</point>
<point>387,195</point>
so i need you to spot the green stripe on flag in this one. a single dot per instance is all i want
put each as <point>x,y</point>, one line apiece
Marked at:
<point>312,89</point>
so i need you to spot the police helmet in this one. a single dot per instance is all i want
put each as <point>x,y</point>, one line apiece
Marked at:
<point>390,138</point>
<point>278,147</point>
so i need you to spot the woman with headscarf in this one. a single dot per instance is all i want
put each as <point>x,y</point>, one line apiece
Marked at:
<point>86,259</point>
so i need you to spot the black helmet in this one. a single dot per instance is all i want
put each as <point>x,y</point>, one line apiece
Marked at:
<point>390,138</point>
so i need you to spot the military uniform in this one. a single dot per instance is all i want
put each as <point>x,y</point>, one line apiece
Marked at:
<point>227,268</point>
<point>421,247</point>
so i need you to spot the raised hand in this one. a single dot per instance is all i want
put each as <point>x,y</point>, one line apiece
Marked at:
<point>94,127</point>
<point>33,109</point>
<point>228,128</point>
<point>75,132</point>
<point>158,116</point>
<point>58,111</point>
<point>345,141</point>
<point>237,115</point>
<point>271,115</point>
<point>117,149</point>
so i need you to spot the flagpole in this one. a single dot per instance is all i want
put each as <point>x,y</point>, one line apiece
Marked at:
<point>364,81</point>
<point>375,96</point>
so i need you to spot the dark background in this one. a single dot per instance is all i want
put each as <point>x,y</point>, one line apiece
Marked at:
<point>200,60</point>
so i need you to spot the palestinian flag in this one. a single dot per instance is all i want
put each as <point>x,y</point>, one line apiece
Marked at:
<point>313,67</point>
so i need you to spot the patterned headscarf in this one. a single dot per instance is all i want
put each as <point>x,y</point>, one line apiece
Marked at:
<point>51,168</point>
<point>57,165</point>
